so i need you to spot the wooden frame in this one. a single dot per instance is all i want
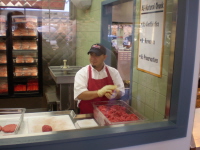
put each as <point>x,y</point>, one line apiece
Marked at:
<point>150,48</point>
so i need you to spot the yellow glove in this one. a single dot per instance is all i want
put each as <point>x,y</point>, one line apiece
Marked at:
<point>106,89</point>
<point>113,94</point>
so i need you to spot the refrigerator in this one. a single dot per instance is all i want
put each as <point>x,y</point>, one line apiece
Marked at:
<point>20,54</point>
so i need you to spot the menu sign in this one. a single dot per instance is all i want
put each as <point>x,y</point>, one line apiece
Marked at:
<point>151,36</point>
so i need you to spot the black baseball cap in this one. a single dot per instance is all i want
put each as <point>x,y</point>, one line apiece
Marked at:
<point>98,49</point>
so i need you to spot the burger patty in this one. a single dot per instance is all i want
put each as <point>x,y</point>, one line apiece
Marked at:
<point>9,128</point>
<point>46,128</point>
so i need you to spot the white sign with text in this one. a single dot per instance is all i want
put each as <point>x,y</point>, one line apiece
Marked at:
<point>151,36</point>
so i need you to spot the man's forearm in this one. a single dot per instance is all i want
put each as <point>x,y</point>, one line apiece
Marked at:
<point>88,95</point>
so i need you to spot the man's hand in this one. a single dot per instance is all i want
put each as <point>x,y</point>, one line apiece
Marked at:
<point>106,89</point>
<point>112,95</point>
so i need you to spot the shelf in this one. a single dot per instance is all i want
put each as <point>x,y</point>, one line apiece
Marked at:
<point>25,76</point>
<point>25,61</point>
<point>21,46</point>
<point>24,18</point>
<point>25,92</point>
<point>24,37</point>
<point>27,50</point>
<point>3,94</point>
<point>25,64</point>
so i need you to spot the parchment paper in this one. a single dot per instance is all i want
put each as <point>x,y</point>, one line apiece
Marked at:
<point>58,123</point>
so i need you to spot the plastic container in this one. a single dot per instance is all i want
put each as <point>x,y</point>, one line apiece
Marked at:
<point>25,45</point>
<point>30,25</point>
<point>17,31</point>
<point>85,123</point>
<point>115,116</point>
<point>2,45</point>
<point>3,87</point>
<point>25,71</point>
<point>32,87</point>
<point>16,45</point>
<point>2,18</point>
<point>2,33</point>
<point>3,71</point>
<point>11,116</point>
<point>20,87</point>
<point>3,59</point>
<point>24,18</point>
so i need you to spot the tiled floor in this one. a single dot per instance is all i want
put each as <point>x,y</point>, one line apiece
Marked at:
<point>196,128</point>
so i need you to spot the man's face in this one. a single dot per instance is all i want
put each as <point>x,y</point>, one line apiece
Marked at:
<point>96,61</point>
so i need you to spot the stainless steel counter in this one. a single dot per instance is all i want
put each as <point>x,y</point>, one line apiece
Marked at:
<point>33,120</point>
<point>59,139</point>
<point>64,77</point>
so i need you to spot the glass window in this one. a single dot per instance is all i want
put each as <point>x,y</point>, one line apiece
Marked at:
<point>142,43</point>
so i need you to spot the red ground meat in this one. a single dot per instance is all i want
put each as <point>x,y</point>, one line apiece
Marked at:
<point>117,113</point>
<point>0,128</point>
<point>46,128</point>
<point>9,128</point>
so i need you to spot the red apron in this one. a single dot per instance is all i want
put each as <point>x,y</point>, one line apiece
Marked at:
<point>93,85</point>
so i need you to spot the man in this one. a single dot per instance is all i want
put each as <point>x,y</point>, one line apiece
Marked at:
<point>97,81</point>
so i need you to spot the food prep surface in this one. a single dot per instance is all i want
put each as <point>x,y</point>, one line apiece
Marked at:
<point>10,120</point>
<point>35,123</point>
<point>58,123</point>
<point>40,123</point>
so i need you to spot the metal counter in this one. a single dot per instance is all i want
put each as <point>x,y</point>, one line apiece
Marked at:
<point>38,116</point>
<point>64,77</point>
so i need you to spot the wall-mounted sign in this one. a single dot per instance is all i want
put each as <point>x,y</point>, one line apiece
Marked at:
<point>151,36</point>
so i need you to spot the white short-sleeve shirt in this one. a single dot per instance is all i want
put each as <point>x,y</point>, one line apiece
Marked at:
<point>81,79</point>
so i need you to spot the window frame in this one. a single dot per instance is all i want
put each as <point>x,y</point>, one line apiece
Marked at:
<point>110,137</point>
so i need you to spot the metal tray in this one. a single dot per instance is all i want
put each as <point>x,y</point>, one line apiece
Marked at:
<point>104,120</point>
<point>11,116</point>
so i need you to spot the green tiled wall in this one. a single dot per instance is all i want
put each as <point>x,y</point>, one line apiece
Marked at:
<point>88,31</point>
<point>149,92</point>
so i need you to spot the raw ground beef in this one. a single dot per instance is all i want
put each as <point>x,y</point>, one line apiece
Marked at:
<point>117,113</point>
<point>9,128</point>
<point>46,128</point>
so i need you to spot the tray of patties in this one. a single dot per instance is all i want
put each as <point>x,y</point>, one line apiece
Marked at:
<point>18,32</point>
<point>3,59</point>
<point>3,87</point>
<point>24,18</point>
<point>31,85</point>
<point>25,59</point>
<point>21,71</point>
<point>115,112</point>
<point>10,120</point>
<point>24,25</point>
<point>2,45</point>
<point>3,71</point>
<point>25,45</point>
